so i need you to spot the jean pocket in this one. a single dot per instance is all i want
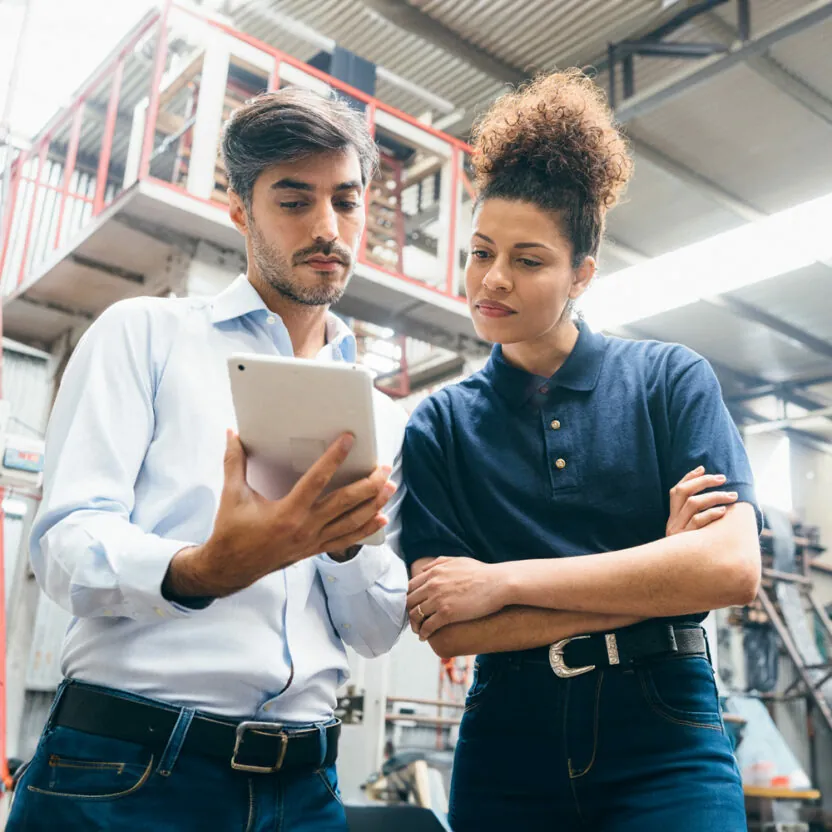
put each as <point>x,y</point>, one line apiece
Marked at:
<point>329,778</point>
<point>484,678</point>
<point>682,691</point>
<point>80,778</point>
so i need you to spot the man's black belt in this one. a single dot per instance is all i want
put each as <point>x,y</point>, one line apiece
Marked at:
<point>257,747</point>
<point>623,648</point>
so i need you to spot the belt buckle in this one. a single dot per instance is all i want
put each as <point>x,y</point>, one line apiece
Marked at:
<point>263,728</point>
<point>563,671</point>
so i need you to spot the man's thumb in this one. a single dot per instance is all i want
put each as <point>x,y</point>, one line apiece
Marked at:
<point>234,461</point>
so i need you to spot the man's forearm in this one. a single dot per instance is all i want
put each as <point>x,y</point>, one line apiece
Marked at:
<point>520,628</point>
<point>693,572</point>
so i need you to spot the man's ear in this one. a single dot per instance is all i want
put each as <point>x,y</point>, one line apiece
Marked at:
<point>237,211</point>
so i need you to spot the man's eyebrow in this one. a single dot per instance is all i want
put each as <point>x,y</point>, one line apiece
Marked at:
<point>292,184</point>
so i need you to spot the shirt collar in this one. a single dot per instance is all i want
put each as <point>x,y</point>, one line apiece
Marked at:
<point>241,299</point>
<point>579,372</point>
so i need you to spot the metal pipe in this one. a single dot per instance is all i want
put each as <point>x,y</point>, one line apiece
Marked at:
<point>155,91</point>
<point>744,19</point>
<point>453,255</point>
<point>822,615</point>
<point>107,141</point>
<point>779,424</point>
<point>789,577</point>
<point>794,655</point>
<point>415,700</point>
<point>69,166</point>
<point>422,719</point>
<point>44,147</point>
<point>371,126</point>
<point>671,49</point>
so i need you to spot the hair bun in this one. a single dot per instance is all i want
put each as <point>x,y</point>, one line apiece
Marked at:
<point>560,126</point>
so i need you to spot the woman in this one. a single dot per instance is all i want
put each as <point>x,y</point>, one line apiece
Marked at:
<point>539,492</point>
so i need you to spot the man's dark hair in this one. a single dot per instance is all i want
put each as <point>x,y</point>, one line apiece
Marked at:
<point>287,125</point>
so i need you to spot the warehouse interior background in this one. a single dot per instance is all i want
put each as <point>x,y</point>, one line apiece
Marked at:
<point>110,117</point>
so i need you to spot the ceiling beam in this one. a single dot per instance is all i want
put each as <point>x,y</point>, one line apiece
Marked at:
<point>650,100</point>
<point>400,13</point>
<point>775,388</point>
<point>770,69</point>
<point>749,312</point>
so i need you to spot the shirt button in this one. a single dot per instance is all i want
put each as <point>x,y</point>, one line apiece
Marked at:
<point>331,578</point>
<point>160,612</point>
<point>544,390</point>
<point>270,319</point>
<point>560,464</point>
<point>347,626</point>
<point>555,425</point>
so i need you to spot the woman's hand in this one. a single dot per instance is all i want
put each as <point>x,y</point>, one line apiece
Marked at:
<point>450,590</point>
<point>690,509</point>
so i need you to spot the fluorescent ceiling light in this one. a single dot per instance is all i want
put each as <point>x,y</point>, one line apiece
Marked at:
<point>779,244</point>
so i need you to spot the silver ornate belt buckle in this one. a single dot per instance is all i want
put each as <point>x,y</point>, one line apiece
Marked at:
<point>563,671</point>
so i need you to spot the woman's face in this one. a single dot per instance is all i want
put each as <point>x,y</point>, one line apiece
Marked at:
<point>519,275</point>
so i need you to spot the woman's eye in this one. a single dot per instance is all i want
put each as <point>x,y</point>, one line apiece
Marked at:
<point>530,263</point>
<point>291,205</point>
<point>479,254</point>
<point>349,206</point>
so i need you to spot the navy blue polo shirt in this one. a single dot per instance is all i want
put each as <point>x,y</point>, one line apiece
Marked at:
<point>507,465</point>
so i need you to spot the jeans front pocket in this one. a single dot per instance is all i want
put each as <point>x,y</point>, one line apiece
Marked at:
<point>80,766</point>
<point>485,674</point>
<point>329,777</point>
<point>682,691</point>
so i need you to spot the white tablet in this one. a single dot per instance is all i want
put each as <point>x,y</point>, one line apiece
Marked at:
<point>290,410</point>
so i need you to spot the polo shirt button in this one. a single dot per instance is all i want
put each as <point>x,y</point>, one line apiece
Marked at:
<point>544,390</point>
<point>560,464</point>
<point>270,319</point>
<point>555,425</point>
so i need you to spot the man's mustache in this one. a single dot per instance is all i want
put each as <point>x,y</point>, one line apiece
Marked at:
<point>327,250</point>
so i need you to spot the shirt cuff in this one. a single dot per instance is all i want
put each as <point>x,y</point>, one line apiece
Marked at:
<point>141,573</point>
<point>359,573</point>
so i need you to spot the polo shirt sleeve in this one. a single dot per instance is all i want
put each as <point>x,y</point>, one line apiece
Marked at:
<point>702,431</point>
<point>430,525</point>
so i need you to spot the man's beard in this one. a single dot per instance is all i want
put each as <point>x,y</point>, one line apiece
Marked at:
<point>275,269</point>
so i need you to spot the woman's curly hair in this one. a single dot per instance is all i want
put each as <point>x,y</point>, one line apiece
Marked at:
<point>554,143</point>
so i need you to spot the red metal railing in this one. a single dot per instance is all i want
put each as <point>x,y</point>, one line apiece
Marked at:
<point>33,216</point>
<point>33,225</point>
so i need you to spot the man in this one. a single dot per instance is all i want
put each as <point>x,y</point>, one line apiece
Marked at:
<point>209,631</point>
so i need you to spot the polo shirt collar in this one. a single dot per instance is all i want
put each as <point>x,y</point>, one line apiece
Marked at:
<point>579,372</point>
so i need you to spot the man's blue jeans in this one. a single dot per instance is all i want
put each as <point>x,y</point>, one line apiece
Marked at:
<point>78,781</point>
<point>639,750</point>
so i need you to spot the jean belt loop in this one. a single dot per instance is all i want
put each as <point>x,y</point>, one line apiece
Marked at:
<point>65,683</point>
<point>177,738</point>
<point>707,646</point>
<point>322,745</point>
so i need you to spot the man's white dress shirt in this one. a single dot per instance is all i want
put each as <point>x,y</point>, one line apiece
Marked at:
<point>134,471</point>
